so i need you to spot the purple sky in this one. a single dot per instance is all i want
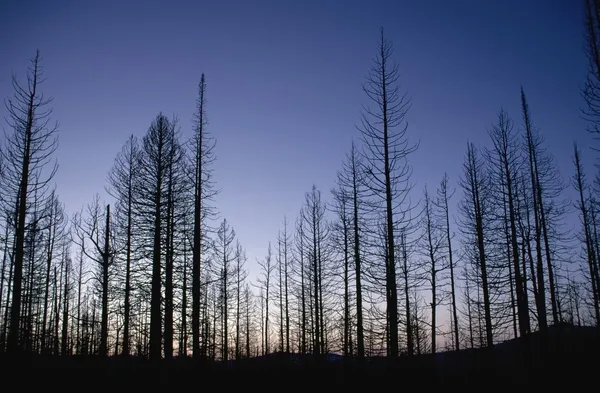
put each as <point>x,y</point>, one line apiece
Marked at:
<point>284,85</point>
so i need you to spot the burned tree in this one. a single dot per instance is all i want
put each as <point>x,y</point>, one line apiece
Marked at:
<point>387,175</point>
<point>97,242</point>
<point>121,182</point>
<point>201,146</point>
<point>27,157</point>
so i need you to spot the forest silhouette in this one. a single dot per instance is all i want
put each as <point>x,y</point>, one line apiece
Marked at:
<point>367,285</point>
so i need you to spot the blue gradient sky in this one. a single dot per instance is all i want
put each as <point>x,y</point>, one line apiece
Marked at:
<point>284,85</point>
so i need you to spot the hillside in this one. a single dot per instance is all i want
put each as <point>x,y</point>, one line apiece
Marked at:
<point>566,356</point>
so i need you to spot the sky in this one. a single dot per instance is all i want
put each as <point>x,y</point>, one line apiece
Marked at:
<point>284,84</point>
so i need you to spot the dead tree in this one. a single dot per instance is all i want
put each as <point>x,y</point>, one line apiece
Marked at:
<point>384,133</point>
<point>27,156</point>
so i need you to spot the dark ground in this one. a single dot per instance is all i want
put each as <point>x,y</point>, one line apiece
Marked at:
<point>565,358</point>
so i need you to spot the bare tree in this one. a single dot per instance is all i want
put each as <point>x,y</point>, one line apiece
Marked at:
<point>591,89</point>
<point>442,202</point>
<point>475,210</point>
<point>302,271</point>
<point>351,179</point>
<point>66,268</point>
<point>505,162</point>
<point>316,233</point>
<point>97,243</point>
<point>545,186</point>
<point>56,234</point>
<point>592,258</point>
<point>285,244</point>
<point>202,145</point>
<point>341,237</point>
<point>384,133</point>
<point>240,277</point>
<point>265,284</point>
<point>432,241</point>
<point>26,155</point>
<point>121,183</point>
<point>151,200</point>
<point>225,252</point>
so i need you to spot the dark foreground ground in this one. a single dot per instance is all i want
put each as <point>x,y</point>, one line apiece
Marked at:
<point>565,358</point>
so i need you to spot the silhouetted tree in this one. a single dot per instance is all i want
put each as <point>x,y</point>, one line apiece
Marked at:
<point>80,282</point>
<point>432,241</point>
<point>121,183</point>
<point>65,349</point>
<point>89,229</point>
<point>442,202</point>
<point>175,202</point>
<point>341,235</point>
<point>56,222</point>
<point>225,252</point>
<point>264,283</point>
<point>151,200</point>
<point>282,261</point>
<point>304,280</point>
<point>384,133</point>
<point>475,208</point>
<point>202,145</point>
<point>26,155</point>
<point>5,275</point>
<point>351,179</point>
<point>286,270</point>
<point>583,205</point>
<point>505,161</point>
<point>316,234</point>
<point>279,261</point>
<point>248,303</point>
<point>183,328</point>
<point>240,277</point>
<point>591,89</point>
<point>545,187</point>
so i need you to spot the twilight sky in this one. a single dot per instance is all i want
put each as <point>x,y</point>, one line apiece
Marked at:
<point>284,85</point>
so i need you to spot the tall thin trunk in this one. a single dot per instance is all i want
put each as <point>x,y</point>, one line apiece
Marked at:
<point>302,291</point>
<point>511,277</point>
<point>285,275</point>
<point>128,247</point>
<point>537,208</point>
<point>433,270</point>
<point>360,338</point>
<point>522,307</point>
<point>65,317</point>
<point>409,328</point>
<point>347,351</point>
<point>469,311</point>
<point>247,293</point>
<point>391,291</point>
<point>169,255</point>
<point>238,309</point>
<point>317,327</point>
<point>225,300</point>
<point>15,311</point>
<point>475,183</point>
<point>444,192</point>
<point>266,351</point>
<point>105,266</point>
<point>79,285</point>
<point>57,296</point>
<point>156,292</point>
<point>49,256</point>
<point>197,246</point>
<point>183,337</point>
<point>4,263</point>
<point>590,250</point>
<point>280,267</point>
